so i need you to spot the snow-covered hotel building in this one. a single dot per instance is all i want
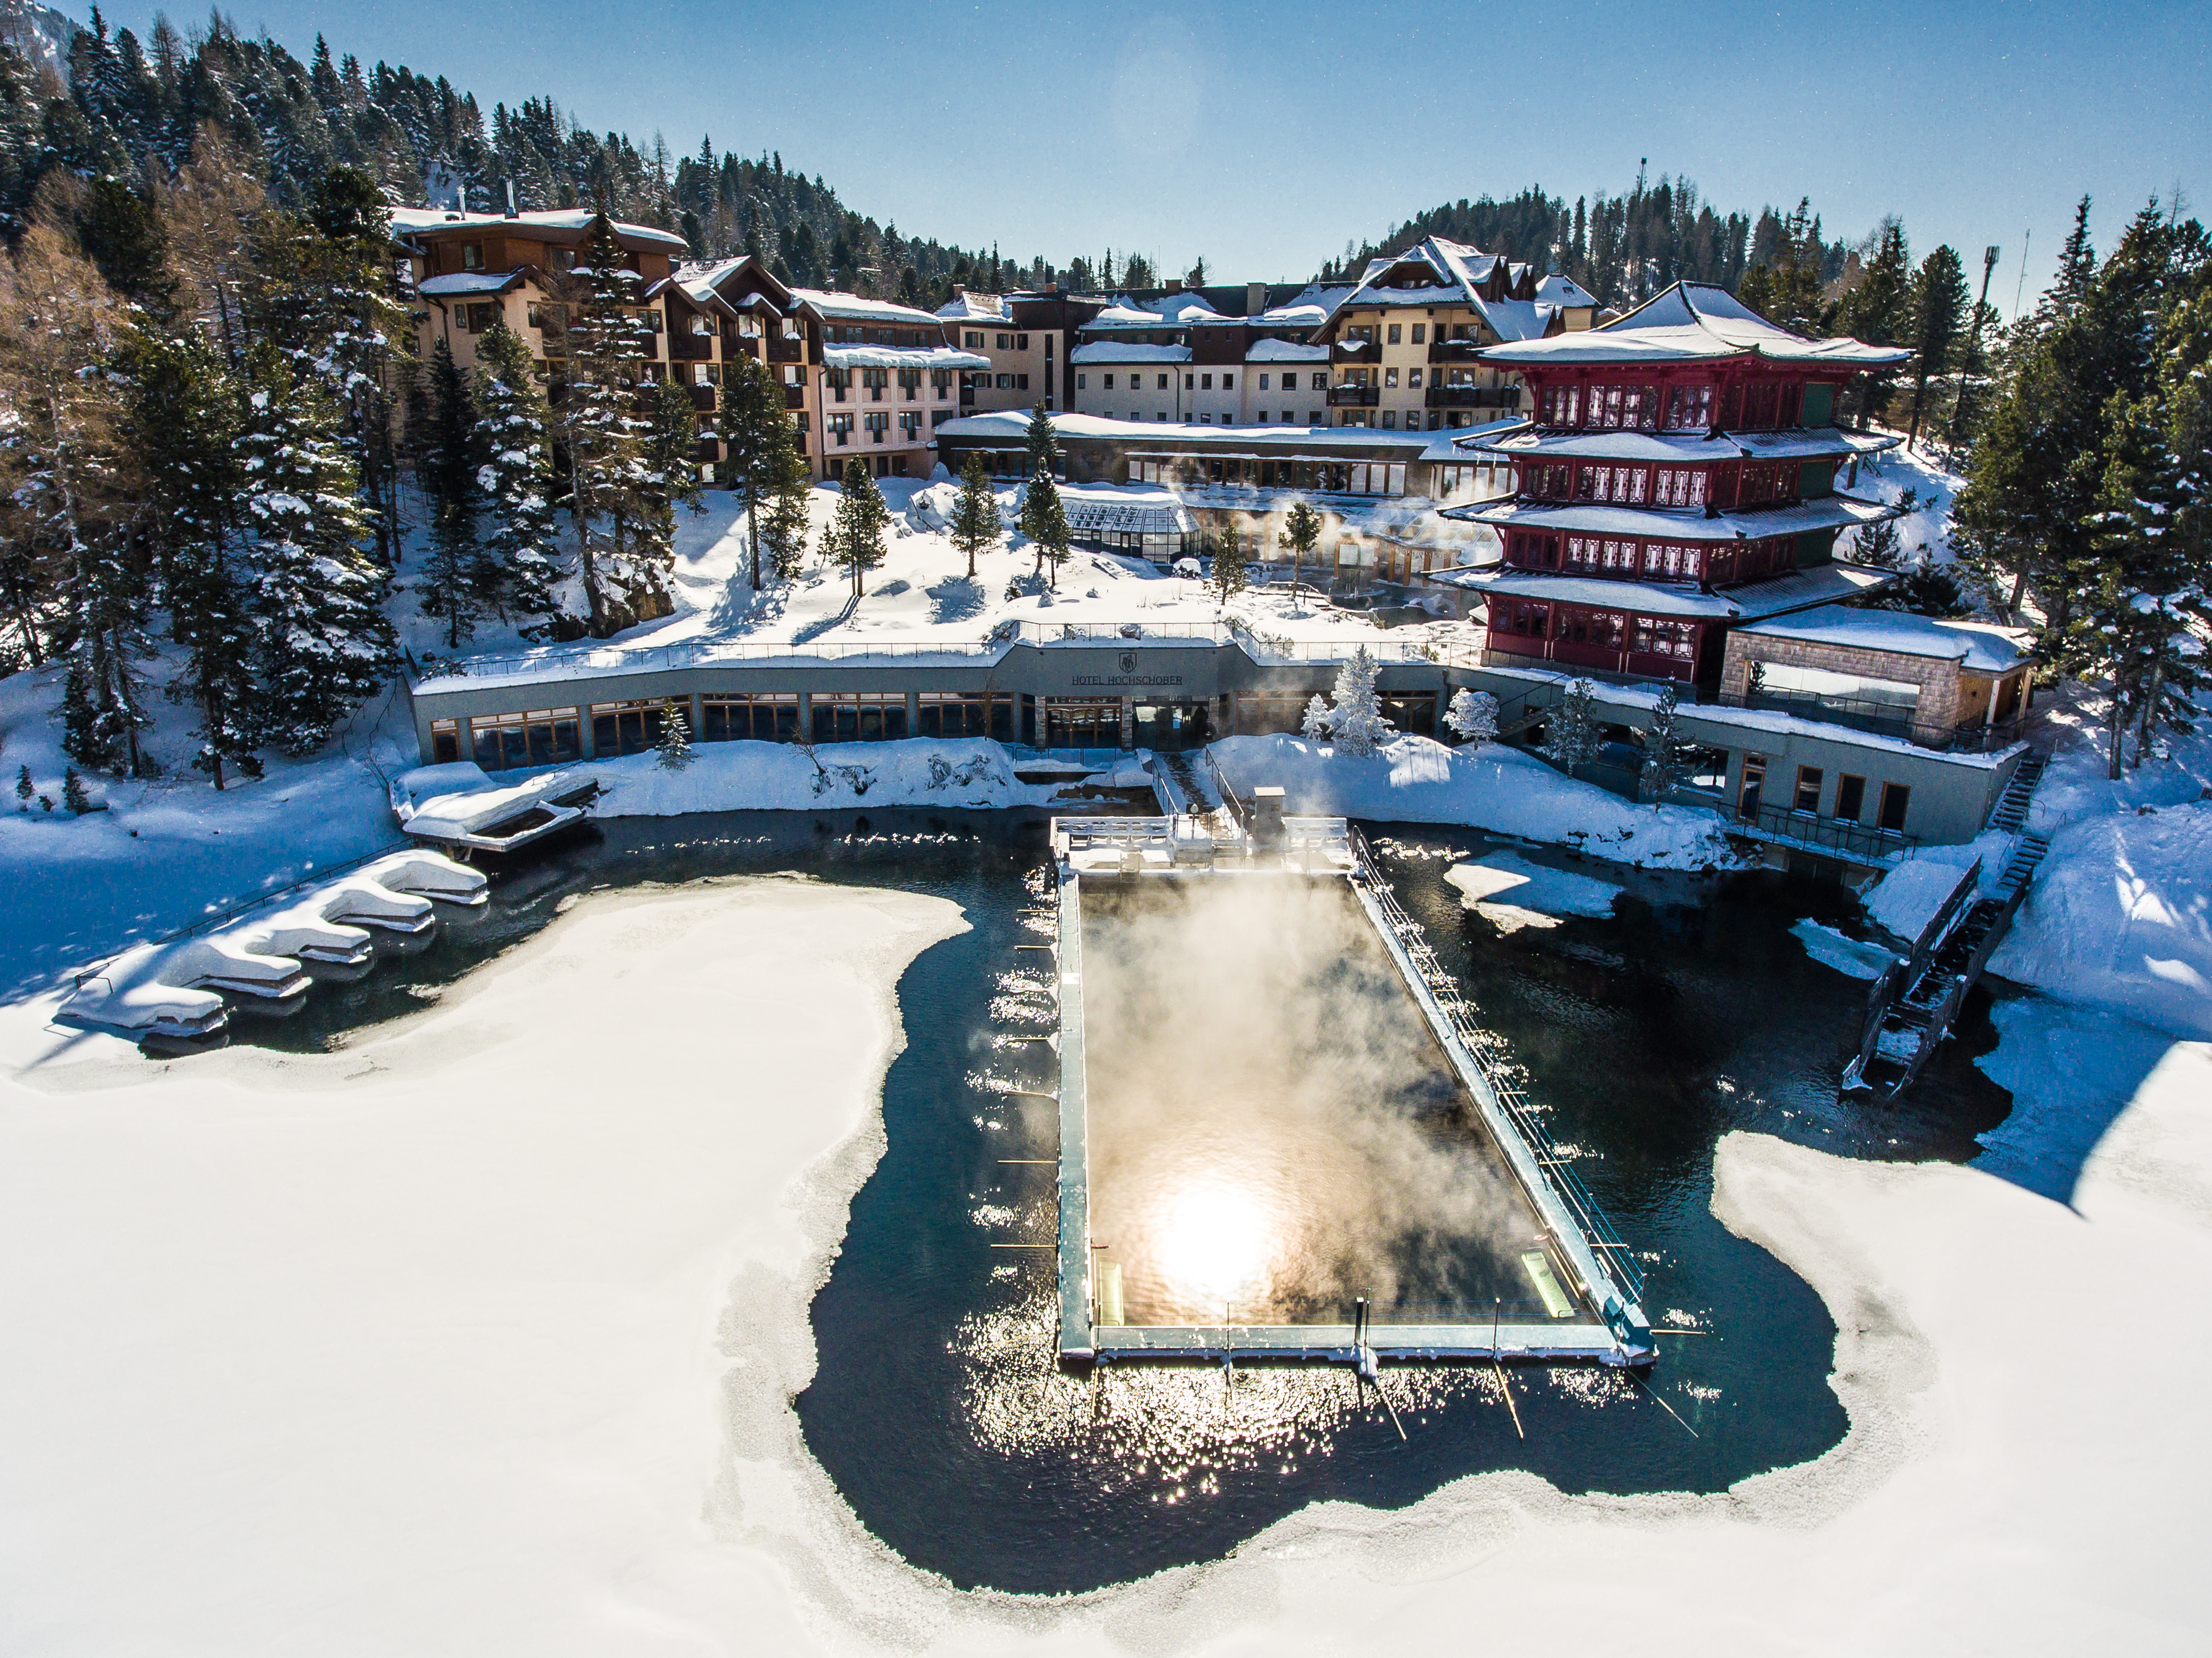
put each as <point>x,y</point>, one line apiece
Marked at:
<point>1406,345</point>
<point>1177,358</point>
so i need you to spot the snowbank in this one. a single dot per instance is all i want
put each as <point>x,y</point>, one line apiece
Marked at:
<point>1905,899</point>
<point>2120,916</point>
<point>1850,957</point>
<point>468,1330</point>
<point>972,772</point>
<point>1417,780</point>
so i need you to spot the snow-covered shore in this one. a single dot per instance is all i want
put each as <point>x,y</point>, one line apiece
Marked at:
<point>468,1338</point>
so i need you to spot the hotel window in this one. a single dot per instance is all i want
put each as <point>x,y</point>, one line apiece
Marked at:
<point>1394,333</point>
<point>1850,797</point>
<point>1002,342</point>
<point>537,737</point>
<point>1760,404</point>
<point>838,381</point>
<point>1190,382</point>
<point>876,379</point>
<point>1668,638</point>
<point>1082,722</point>
<point>940,382</point>
<point>761,717</point>
<point>1689,408</point>
<point>1228,382</point>
<point>625,727</point>
<point>1895,797</point>
<point>1021,342</point>
<point>1807,797</point>
<point>1754,780</point>
<point>1561,405</point>
<point>471,256</point>
<point>878,424</point>
<point>1261,417</point>
<point>859,716</point>
<point>1420,333</point>
<point>1547,483</point>
<point>1005,382</point>
<point>966,714</point>
<point>1680,486</point>
<point>1208,381</point>
<point>1672,559</point>
<point>1412,377</point>
<point>840,427</point>
<point>1162,386</point>
<point>1390,377</point>
<point>910,383</point>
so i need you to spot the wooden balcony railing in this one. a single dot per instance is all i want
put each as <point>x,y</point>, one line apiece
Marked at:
<point>1354,396</point>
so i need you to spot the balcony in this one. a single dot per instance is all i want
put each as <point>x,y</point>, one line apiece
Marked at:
<point>690,348</point>
<point>1453,350</point>
<point>740,345</point>
<point>1975,736</point>
<point>703,398</point>
<point>1782,825</point>
<point>1355,351</point>
<point>1474,396</point>
<point>794,397</point>
<point>781,349</point>
<point>1354,396</point>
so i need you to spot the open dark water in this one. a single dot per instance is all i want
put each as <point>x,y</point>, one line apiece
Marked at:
<point>937,1407</point>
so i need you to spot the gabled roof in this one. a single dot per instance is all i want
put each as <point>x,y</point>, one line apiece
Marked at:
<point>975,307</point>
<point>468,282</point>
<point>1183,310</point>
<point>1451,273</point>
<point>1564,290</point>
<point>1694,322</point>
<point>721,274</point>
<point>852,307</point>
<point>564,225</point>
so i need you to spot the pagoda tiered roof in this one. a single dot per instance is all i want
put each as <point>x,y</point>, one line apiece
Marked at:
<point>1677,524</point>
<point>1795,590</point>
<point>1529,442</point>
<point>1690,322</point>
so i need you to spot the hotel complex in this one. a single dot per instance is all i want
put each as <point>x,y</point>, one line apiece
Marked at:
<point>1627,501</point>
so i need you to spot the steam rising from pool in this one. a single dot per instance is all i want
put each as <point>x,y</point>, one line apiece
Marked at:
<point>1274,1132</point>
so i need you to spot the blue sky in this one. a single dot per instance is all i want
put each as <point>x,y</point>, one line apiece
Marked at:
<point>1263,138</point>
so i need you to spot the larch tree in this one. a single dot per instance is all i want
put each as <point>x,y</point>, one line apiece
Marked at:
<point>1301,534</point>
<point>514,480</point>
<point>73,488</point>
<point>974,527</point>
<point>854,539</point>
<point>325,643</point>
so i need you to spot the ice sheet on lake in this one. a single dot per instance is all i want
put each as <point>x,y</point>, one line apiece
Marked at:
<point>1510,891</point>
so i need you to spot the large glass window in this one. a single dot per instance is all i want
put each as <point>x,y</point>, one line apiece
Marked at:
<point>859,716</point>
<point>1078,722</point>
<point>760,717</point>
<point>535,737</point>
<point>624,728</point>
<point>966,714</point>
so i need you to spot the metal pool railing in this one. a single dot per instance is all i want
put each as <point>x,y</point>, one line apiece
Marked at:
<point>1486,1048</point>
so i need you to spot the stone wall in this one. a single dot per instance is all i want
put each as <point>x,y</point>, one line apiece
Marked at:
<point>1940,706</point>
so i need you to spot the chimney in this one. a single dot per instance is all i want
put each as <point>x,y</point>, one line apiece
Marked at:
<point>1255,298</point>
<point>1052,288</point>
<point>510,199</point>
<point>960,290</point>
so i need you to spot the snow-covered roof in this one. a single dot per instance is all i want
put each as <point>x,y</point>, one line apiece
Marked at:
<point>1597,517</point>
<point>975,307</point>
<point>1977,646</point>
<point>1467,445</point>
<point>1525,442</point>
<point>1795,590</point>
<point>1459,272</point>
<point>901,357</point>
<point>416,219</point>
<point>1284,351</point>
<point>852,307</point>
<point>1692,322</point>
<point>468,282</point>
<point>1182,310</point>
<point>1309,309</point>
<point>1564,290</point>
<point>1012,425</point>
<point>1127,351</point>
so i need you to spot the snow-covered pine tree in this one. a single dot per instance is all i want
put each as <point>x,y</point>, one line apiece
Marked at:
<point>1940,301</point>
<point>1473,715</point>
<point>73,794</point>
<point>514,481</point>
<point>1230,574</point>
<point>784,525</point>
<point>608,346</point>
<point>756,437</point>
<point>1301,534</point>
<point>670,474</point>
<point>1664,748</point>
<point>1314,723</point>
<point>1570,735</point>
<point>855,539</point>
<point>974,527</point>
<point>25,788</point>
<point>675,745</point>
<point>325,643</point>
<point>460,582</point>
<point>73,488</point>
<point>182,416</point>
<point>1043,519</point>
<point>1355,717</point>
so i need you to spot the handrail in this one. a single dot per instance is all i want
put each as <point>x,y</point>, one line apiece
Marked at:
<point>1483,1046</point>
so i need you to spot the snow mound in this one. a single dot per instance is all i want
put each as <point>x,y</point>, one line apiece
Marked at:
<point>1905,899</point>
<point>1849,956</point>
<point>780,777</point>
<point>2120,916</point>
<point>1415,780</point>
<point>1507,889</point>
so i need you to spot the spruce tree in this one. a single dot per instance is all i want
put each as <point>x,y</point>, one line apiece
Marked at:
<point>1044,520</point>
<point>974,527</point>
<point>25,788</point>
<point>669,465</point>
<point>1231,574</point>
<point>783,530</point>
<point>1473,716</point>
<point>460,582</point>
<point>674,746</point>
<point>1663,749</point>
<point>1940,299</point>
<point>514,481</point>
<point>1878,311</point>
<point>1355,716</point>
<point>1043,444</point>
<point>1569,737</point>
<point>324,644</point>
<point>1312,724</point>
<point>73,794</point>
<point>855,539</point>
<point>756,434</point>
